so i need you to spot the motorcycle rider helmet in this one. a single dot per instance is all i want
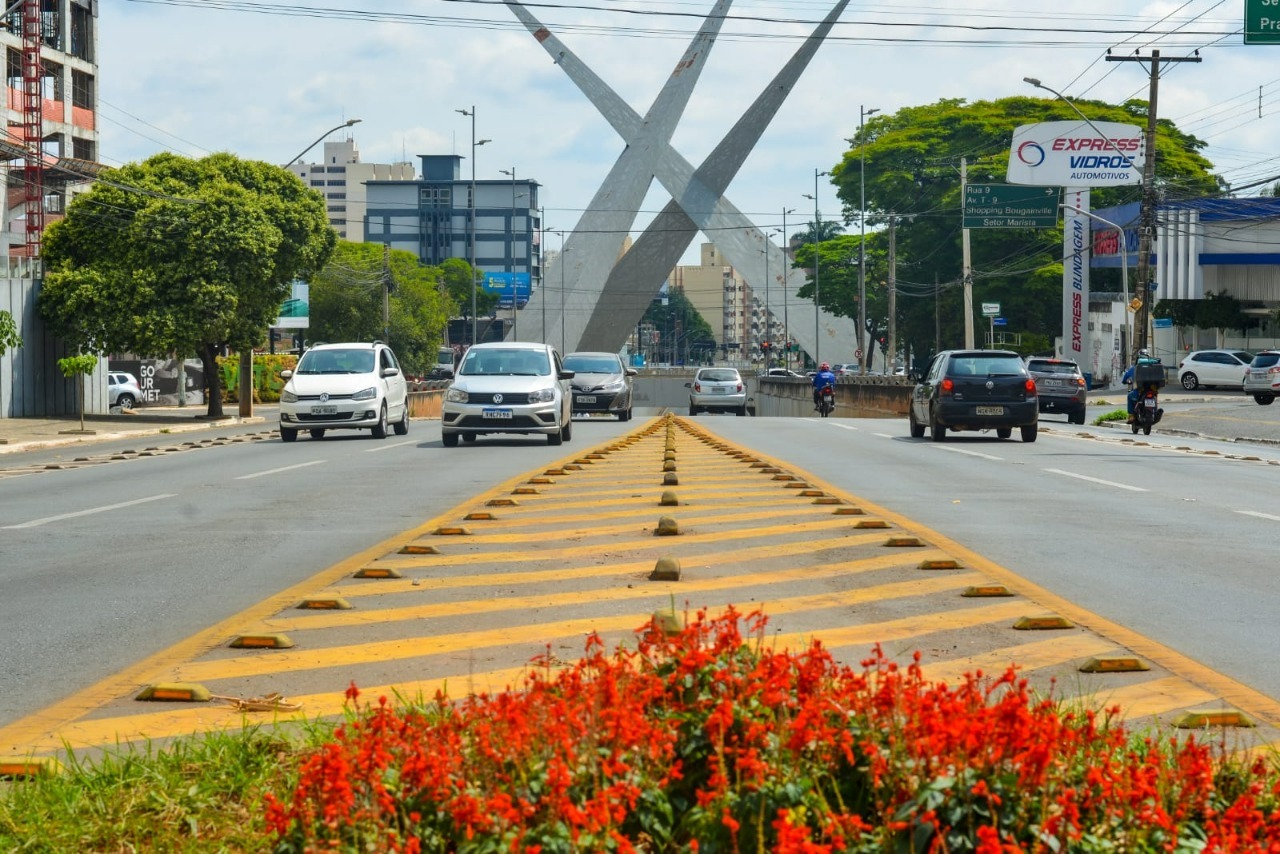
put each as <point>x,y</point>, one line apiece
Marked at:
<point>1144,353</point>
<point>825,366</point>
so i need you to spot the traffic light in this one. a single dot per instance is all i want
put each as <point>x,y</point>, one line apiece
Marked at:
<point>884,348</point>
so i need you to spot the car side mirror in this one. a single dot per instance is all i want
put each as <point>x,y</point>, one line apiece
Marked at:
<point>631,372</point>
<point>389,372</point>
<point>286,373</point>
<point>567,375</point>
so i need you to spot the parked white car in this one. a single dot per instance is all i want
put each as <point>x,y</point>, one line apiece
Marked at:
<point>344,387</point>
<point>122,389</point>
<point>508,387</point>
<point>1225,368</point>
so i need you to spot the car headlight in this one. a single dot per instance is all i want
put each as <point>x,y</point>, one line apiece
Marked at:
<point>542,395</point>
<point>618,386</point>
<point>287,396</point>
<point>365,394</point>
<point>456,395</point>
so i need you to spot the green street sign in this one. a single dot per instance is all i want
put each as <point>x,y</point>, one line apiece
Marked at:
<point>1262,21</point>
<point>1010,206</point>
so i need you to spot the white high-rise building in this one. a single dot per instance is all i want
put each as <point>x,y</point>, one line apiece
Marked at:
<point>341,179</point>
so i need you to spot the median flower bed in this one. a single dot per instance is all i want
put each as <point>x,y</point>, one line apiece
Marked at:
<point>711,741</point>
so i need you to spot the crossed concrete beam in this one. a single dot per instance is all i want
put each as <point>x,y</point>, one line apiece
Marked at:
<point>604,312</point>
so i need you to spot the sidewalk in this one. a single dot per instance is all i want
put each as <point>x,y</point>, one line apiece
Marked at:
<point>27,434</point>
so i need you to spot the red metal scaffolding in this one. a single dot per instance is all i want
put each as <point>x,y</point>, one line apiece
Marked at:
<point>32,125</point>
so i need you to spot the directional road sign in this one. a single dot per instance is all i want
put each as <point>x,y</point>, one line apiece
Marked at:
<point>1009,206</point>
<point>1261,22</point>
<point>990,309</point>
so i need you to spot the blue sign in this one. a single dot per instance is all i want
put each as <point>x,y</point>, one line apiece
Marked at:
<point>508,286</point>
<point>1162,322</point>
<point>999,321</point>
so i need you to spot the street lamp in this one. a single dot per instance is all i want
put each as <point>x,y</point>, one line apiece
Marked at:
<point>817,263</point>
<point>862,239</point>
<point>472,224</point>
<point>786,269</point>
<point>563,253</point>
<point>1124,272</point>
<point>511,257</point>
<point>348,123</point>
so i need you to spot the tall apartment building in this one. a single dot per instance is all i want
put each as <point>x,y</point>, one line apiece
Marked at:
<point>68,107</point>
<point>432,218</point>
<point>723,298</point>
<point>342,179</point>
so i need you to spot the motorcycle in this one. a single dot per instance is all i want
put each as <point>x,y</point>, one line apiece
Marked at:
<point>1146,410</point>
<point>826,401</point>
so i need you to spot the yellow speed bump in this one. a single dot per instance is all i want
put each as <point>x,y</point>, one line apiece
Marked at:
<point>759,465</point>
<point>669,465</point>
<point>1044,621</point>
<point>541,480</point>
<point>329,603</point>
<point>670,479</point>
<point>827,499</point>
<point>502,502</point>
<point>452,531</point>
<point>903,542</point>
<point>419,550</point>
<point>175,692</point>
<point>378,572</point>
<point>668,498</point>
<point>980,590</point>
<point>848,511</point>
<point>940,563</point>
<point>479,516</point>
<point>871,523</point>
<point>555,472</point>
<point>526,490</point>
<point>798,484</point>
<point>276,641</point>
<point>668,622</point>
<point>784,477</point>
<point>1200,718</point>
<point>1114,664</point>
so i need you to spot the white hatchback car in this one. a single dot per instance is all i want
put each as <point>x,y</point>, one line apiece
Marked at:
<point>508,387</point>
<point>344,387</point>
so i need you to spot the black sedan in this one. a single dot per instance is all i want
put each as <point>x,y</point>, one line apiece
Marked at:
<point>601,383</point>
<point>975,390</point>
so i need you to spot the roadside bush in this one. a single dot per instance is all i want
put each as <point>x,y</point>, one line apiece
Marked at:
<point>1113,415</point>
<point>711,741</point>
<point>267,382</point>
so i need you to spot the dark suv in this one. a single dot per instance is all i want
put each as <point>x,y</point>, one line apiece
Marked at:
<point>975,390</point>
<point>1060,387</point>
<point>1262,377</point>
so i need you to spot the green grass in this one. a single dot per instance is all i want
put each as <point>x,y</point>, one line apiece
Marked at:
<point>1114,415</point>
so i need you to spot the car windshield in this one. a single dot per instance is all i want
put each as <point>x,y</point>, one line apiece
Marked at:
<point>1064,368</point>
<point>718,376</point>
<point>505,363</point>
<point>336,361</point>
<point>979,365</point>
<point>592,365</point>
<point>1265,360</point>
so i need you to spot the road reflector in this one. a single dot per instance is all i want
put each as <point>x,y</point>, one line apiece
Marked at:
<point>554,472</point>
<point>1114,664</point>
<point>332,603</point>
<point>27,769</point>
<point>1045,621</point>
<point>784,477</point>
<point>452,531</point>
<point>572,467</point>
<point>811,493</point>
<point>903,542</point>
<point>668,622</point>
<point>378,572</point>
<point>667,527</point>
<point>828,499</point>
<point>541,480</point>
<point>759,465</point>
<point>175,692</point>
<point>669,465</point>
<point>850,511</point>
<point>799,484</point>
<point>1199,718</point>
<point>978,590</point>
<point>940,563</point>
<point>502,502</point>
<point>670,479</point>
<point>479,516</point>
<point>770,470</point>
<point>596,456</point>
<point>525,490</point>
<point>871,523</point>
<point>668,498</point>
<point>276,641</point>
<point>666,569</point>
<point>418,550</point>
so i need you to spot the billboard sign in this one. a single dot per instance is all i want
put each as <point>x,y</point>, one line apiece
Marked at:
<point>1076,154</point>
<point>508,287</point>
<point>295,312</point>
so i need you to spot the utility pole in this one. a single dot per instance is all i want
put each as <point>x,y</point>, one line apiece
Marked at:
<point>891,344</point>
<point>967,268</point>
<point>1148,213</point>
<point>386,294</point>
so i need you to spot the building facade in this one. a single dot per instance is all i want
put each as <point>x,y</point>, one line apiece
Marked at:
<point>342,179</point>
<point>435,218</point>
<point>735,310</point>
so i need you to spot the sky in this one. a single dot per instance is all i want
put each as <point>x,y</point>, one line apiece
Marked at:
<point>264,78</point>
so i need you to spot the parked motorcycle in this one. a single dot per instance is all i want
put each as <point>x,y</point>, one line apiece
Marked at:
<point>826,401</point>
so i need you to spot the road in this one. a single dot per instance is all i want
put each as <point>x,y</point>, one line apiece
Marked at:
<point>123,556</point>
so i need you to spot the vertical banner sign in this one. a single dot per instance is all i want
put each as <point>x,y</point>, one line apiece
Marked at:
<point>1076,244</point>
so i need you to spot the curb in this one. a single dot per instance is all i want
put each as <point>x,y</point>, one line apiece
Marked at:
<point>154,426</point>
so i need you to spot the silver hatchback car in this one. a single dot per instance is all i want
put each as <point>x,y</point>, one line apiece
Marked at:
<point>508,387</point>
<point>717,390</point>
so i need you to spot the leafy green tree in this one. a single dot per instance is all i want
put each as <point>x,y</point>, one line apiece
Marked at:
<point>347,302</point>
<point>78,366</point>
<point>913,171</point>
<point>181,255</point>
<point>9,336</point>
<point>1222,311</point>
<point>679,322</point>
<point>459,283</point>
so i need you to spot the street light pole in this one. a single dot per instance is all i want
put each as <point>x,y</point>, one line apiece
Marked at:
<point>817,265</point>
<point>862,229</point>
<point>563,253</point>
<point>786,268</point>
<point>475,323</point>
<point>348,123</point>
<point>511,257</point>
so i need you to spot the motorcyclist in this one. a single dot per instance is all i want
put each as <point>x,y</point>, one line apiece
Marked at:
<point>1135,392</point>
<point>823,378</point>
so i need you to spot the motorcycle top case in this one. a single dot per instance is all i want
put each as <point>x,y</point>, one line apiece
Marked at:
<point>1152,374</point>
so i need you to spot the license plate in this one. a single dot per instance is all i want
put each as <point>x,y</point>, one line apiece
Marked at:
<point>1149,403</point>
<point>324,410</point>
<point>990,410</point>
<point>586,398</point>
<point>496,413</point>
<point>719,391</point>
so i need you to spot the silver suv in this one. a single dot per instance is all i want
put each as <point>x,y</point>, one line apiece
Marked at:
<point>1060,387</point>
<point>1262,377</point>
